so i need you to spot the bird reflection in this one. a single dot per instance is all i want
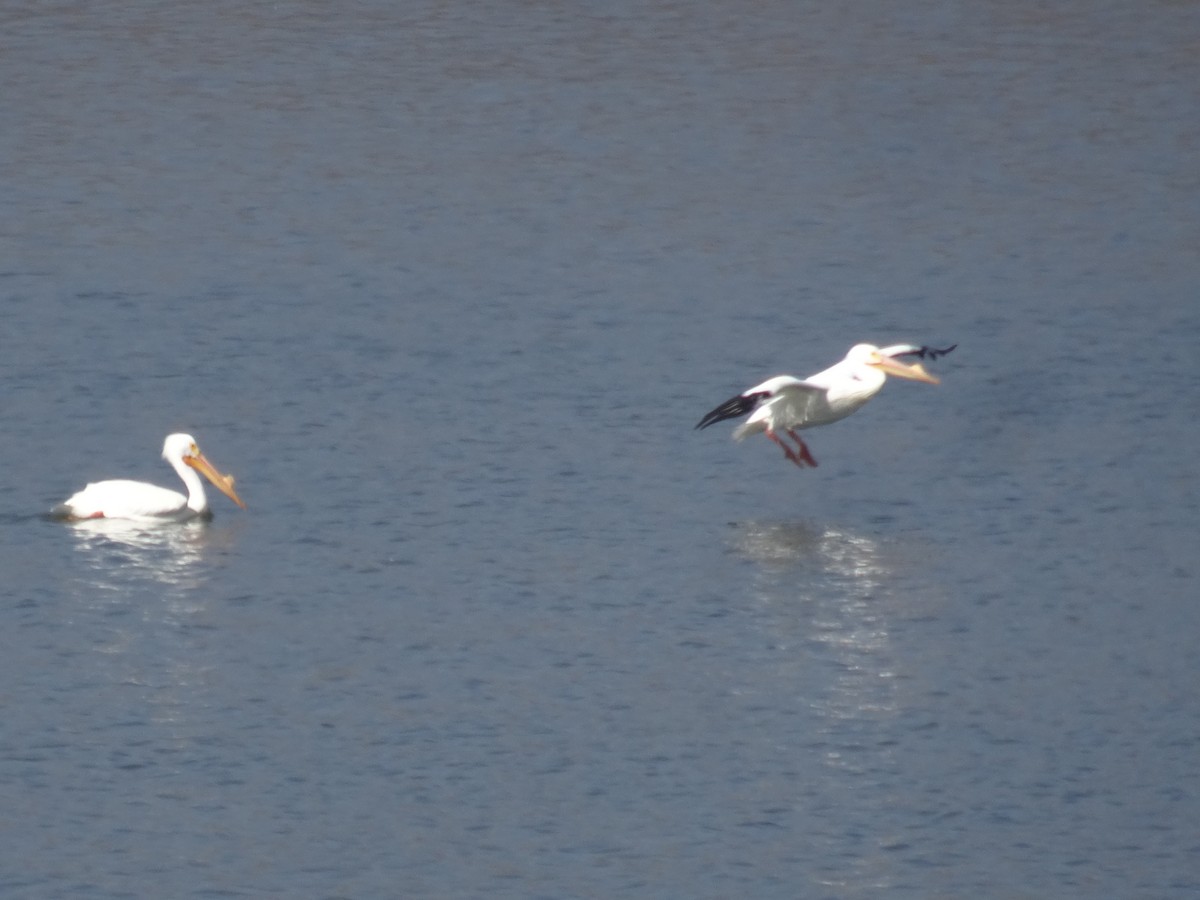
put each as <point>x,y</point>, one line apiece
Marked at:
<point>790,543</point>
<point>823,596</point>
<point>117,551</point>
<point>145,587</point>
<point>836,608</point>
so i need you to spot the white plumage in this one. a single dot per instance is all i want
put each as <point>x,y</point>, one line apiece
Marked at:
<point>122,499</point>
<point>787,404</point>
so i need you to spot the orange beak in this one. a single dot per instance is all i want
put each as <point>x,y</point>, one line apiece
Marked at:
<point>223,483</point>
<point>914,372</point>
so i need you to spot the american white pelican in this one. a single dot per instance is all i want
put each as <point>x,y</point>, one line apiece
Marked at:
<point>785,403</point>
<point>137,500</point>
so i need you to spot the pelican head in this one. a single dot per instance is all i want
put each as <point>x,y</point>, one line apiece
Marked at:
<point>870,355</point>
<point>182,448</point>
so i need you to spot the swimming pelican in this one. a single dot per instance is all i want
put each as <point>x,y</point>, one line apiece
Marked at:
<point>785,403</point>
<point>137,500</point>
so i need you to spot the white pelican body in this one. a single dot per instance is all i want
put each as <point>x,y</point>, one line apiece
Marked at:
<point>786,403</point>
<point>122,499</point>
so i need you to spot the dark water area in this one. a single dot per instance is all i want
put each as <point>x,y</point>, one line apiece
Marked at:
<point>447,288</point>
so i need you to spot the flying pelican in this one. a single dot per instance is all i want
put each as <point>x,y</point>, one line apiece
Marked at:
<point>785,403</point>
<point>137,500</point>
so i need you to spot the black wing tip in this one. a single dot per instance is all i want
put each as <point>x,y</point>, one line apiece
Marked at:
<point>927,352</point>
<point>933,352</point>
<point>735,406</point>
<point>711,418</point>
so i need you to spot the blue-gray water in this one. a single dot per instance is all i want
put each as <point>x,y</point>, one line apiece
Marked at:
<point>447,286</point>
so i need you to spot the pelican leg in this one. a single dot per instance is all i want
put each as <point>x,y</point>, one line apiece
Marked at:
<point>804,454</point>
<point>787,451</point>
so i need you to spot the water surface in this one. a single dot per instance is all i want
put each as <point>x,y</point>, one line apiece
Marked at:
<point>447,287</point>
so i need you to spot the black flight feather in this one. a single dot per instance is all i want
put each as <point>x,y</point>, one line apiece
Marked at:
<point>732,408</point>
<point>928,352</point>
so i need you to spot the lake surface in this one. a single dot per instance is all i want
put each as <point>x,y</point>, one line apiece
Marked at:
<point>447,286</point>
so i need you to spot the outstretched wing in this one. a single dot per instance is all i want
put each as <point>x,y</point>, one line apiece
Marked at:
<point>794,404</point>
<point>899,350</point>
<point>750,400</point>
<point>733,407</point>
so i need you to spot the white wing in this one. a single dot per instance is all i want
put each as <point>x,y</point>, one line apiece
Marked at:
<point>793,404</point>
<point>124,500</point>
<point>798,404</point>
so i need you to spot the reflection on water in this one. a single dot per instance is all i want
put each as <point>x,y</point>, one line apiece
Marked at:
<point>142,589</point>
<point>821,591</point>
<point>834,550</point>
<point>828,599</point>
<point>118,550</point>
